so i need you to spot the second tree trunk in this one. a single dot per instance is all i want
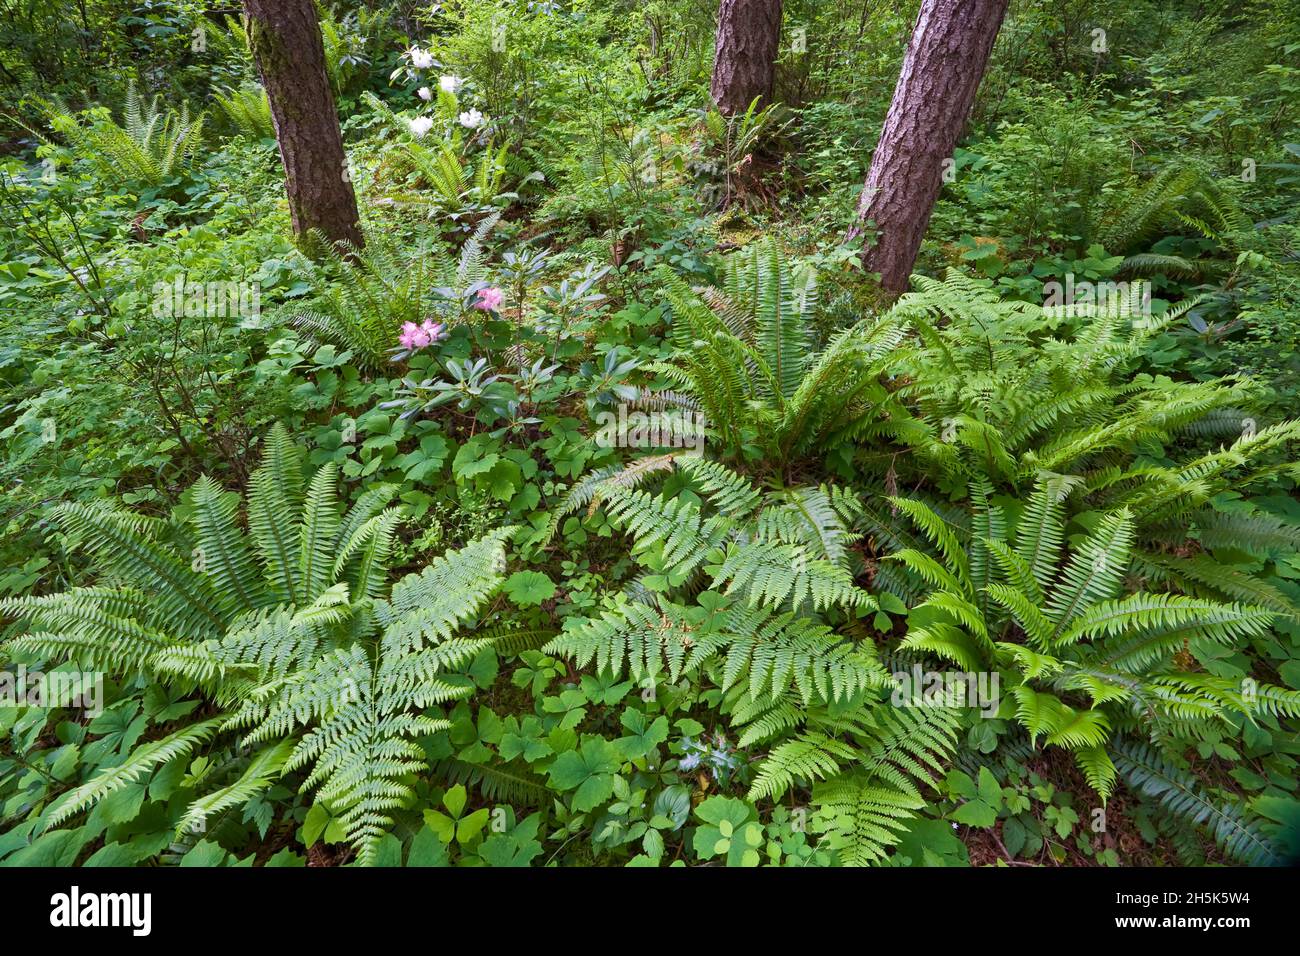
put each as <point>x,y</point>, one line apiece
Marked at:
<point>941,73</point>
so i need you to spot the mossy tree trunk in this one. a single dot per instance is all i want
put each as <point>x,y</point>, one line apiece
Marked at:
<point>744,58</point>
<point>286,40</point>
<point>945,60</point>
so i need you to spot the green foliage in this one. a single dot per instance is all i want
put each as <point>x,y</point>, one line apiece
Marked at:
<point>384,286</point>
<point>1005,570</point>
<point>292,629</point>
<point>1056,619</point>
<point>150,146</point>
<point>248,112</point>
<point>744,352</point>
<point>1181,793</point>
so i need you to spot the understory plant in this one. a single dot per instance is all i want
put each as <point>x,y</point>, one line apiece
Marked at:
<point>283,616</point>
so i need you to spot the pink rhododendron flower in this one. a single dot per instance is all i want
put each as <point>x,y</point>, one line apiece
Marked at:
<point>413,337</point>
<point>489,299</point>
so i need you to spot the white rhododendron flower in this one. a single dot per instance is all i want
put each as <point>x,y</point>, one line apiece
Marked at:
<point>424,93</point>
<point>421,59</point>
<point>471,119</point>
<point>451,84</point>
<point>420,126</point>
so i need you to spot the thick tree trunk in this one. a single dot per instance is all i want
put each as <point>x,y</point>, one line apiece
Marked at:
<point>744,59</point>
<point>941,73</point>
<point>286,40</point>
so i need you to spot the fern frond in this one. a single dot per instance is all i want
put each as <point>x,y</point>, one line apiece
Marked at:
<point>1180,793</point>
<point>256,778</point>
<point>140,761</point>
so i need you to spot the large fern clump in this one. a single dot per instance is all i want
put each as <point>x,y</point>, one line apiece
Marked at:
<point>150,146</point>
<point>247,111</point>
<point>992,395</point>
<point>291,628</point>
<point>1063,530</point>
<point>1179,197</point>
<point>745,357</point>
<point>756,592</point>
<point>1090,659</point>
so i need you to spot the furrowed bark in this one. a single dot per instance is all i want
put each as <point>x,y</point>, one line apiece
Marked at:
<point>744,58</point>
<point>936,88</point>
<point>290,54</point>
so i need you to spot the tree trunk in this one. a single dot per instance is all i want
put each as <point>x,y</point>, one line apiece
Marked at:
<point>286,40</point>
<point>744,58</point>
<point>949,49</point>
